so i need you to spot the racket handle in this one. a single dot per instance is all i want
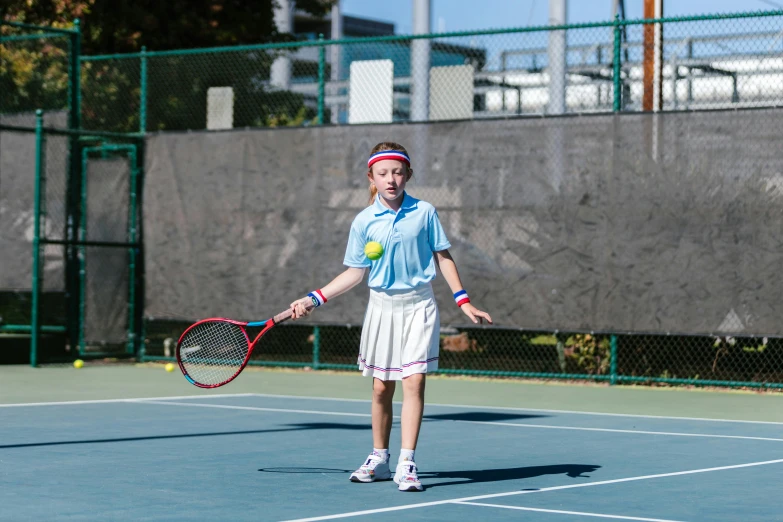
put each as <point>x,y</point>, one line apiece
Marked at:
<point>285,316</point>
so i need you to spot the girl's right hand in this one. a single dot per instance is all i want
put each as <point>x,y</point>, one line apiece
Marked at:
<point>299,307</point>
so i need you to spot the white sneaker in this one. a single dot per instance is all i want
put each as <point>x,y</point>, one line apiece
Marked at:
<point>407,477</point>
<point>374,468</point>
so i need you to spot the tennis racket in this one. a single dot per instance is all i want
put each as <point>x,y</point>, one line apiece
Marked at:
<point>212,352</point>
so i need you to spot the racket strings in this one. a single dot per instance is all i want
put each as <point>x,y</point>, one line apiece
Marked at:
<point>213,352</point>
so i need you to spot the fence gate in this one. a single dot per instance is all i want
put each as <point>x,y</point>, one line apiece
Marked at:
<point>108,250</point>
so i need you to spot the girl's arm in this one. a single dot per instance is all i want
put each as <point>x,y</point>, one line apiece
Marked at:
<point>449,270</point>
<point>339,285</point>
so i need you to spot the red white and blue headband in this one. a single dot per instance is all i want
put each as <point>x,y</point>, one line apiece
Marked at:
<point>388,154</point>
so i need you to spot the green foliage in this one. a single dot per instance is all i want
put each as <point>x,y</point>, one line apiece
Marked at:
<point>33,73</point>
<point>586,353</point>
<point>120,26</point>
<point>747,345</point>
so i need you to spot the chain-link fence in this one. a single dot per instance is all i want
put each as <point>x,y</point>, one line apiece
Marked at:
<point>611,230</point>
<point>69,247</point>
<point>747,361</point>
<point>33,273</point>
<point>37,67</point>
<point>615,231</point>
<point>699,62</point>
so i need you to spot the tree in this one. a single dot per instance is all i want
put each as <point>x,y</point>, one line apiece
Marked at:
<point>177,86</point>
<point>120,26</point>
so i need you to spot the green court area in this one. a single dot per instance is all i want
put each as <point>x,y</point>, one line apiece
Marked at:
<point>134,442</point>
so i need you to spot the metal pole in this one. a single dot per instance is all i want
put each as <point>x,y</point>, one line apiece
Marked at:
<point>81,235</point>
<point>336,58</point>
<point>658,79</point>
<point>613,359</point>
<point>316,347</point>
<point>652,53</point>
<point>420,62</point>
<point>617,102</point>
<point>280,74</point>
<point>134,172</point>
<point>321,72</point>
<point>73,202</point>
<point>36,288</point>
<point>557,58</point>
<point>75,78</point>
<point>143,97</point>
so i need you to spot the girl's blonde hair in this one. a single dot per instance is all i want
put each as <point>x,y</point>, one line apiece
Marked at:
<point>386,145</point>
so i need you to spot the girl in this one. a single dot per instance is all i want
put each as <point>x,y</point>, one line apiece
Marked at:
<point>401,331</point>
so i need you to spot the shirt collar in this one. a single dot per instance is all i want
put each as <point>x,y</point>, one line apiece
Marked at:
<point>380,209</point>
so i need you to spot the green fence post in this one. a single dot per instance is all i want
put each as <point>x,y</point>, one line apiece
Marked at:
<point>143,94</point>
<point>321,72</point>
<point>73,202</point>
<point>616,65</point>
<point>81,235</point>
<point>613,359</point>
<point>74,80</point>
<point>132,235</point>
<point>36,290</point>
<point>316,347</point>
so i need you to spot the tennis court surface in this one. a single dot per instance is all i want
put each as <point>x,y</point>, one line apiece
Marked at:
<point>238,455</point>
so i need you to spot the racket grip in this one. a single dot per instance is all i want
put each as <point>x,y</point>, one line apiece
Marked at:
<point>285,316</point>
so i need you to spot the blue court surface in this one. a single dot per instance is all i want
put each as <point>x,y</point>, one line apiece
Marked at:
<point>263,457</point>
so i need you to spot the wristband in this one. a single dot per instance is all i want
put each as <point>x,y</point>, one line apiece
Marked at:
<point>461,298</point>
<point>317,297</point>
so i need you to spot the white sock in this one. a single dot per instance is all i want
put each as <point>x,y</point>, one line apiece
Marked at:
<point>383,453</point>
<point>406,454</point>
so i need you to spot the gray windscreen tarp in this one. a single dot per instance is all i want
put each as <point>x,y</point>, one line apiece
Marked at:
<point>653,223</point>
<point>17,185</point>
<point>106,267</point>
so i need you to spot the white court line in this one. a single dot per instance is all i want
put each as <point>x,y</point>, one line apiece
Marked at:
<point>610,430</point>
<point>509,408</point>
<point>139,399</point>
<point>256,408</point>
<point>529,492</point>
<point>518,425</point>
<point>580,513</point>
<point>337,399</point>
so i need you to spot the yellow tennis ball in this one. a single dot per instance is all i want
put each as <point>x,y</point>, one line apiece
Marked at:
<point>169,367</point>
<point>373,250</point>
<point>78,363</point>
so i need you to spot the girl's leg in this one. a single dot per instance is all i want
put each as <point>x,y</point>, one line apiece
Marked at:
<point>376,466</point>
<point>412,409</point>
<point>382,395</point>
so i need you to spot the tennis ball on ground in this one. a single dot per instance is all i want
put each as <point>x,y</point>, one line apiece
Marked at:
<point>373,250</point>
<point>169,367</point>
<point>78,363</point>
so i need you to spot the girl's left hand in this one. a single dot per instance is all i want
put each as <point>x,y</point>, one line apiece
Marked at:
<point>476,315</point>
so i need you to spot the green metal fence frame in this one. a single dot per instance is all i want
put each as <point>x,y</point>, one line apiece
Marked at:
<point>78,139</point>
<point>612,378</point>
<point>132,244</point>
<point>617,25</point>
<point>76,181</point>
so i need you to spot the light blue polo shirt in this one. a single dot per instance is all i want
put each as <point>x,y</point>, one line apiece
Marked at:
<point>409,237</point>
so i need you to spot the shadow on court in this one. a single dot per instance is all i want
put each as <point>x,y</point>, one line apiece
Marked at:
<point>294,427</point>
<point>321,471</point>
<point>497,475</point>
<point>482,416</point>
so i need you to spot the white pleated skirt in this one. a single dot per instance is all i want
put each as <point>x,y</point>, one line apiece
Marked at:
<point>401,334</point>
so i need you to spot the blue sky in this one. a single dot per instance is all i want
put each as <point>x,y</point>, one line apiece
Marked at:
<point>463,15</point>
